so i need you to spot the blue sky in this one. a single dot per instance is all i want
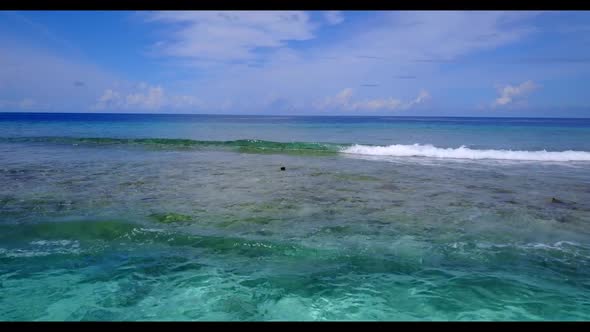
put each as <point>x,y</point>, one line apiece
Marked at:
<point>434,63</point>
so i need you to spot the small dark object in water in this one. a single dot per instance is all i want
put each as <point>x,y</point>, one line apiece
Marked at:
<point>555,200</point>
<point>569,205</point>
<point>283,168</point>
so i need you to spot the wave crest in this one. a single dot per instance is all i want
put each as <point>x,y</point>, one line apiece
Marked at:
<point>418,150</point>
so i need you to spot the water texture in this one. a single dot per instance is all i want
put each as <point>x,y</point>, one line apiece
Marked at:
<point>178,217</point>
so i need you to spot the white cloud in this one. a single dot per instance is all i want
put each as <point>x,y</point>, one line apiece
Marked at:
<point>439,35</point>
<point>343,101</point>
<point>228,35</point>
<point>148,98</point>
<point>153,98</point>
<point>109,97</point>
<point>510,94</point>
<point>334,17</point>
<point>395,42</point>
<point>422,97</point>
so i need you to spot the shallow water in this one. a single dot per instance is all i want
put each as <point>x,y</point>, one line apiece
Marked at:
<point>124,229</point>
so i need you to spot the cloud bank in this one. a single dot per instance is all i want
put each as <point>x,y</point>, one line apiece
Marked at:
<point>222,36</point>
<point>334,17</point>
<point>344,101</point>
<point>512,94</point>
<point>150,98</point>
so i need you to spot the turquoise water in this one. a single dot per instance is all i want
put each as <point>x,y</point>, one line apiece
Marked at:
<point>137,217</point>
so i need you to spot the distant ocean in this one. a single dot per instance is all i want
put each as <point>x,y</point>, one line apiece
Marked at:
<point>190,217</point>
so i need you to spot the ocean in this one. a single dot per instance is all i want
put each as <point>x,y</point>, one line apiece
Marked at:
<point>114,217</point>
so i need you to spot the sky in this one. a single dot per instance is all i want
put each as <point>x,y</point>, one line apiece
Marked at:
<point>399,63</point>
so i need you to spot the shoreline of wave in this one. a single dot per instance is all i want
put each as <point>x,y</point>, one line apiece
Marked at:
<point>262,146</point>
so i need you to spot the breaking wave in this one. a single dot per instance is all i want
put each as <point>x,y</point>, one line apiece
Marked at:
<point>418,150</point>
<point>313,148</point>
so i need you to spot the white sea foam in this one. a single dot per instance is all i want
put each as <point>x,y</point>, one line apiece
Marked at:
<point>62,243</point>
<point>418,150</point>
<point>43,248</point>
